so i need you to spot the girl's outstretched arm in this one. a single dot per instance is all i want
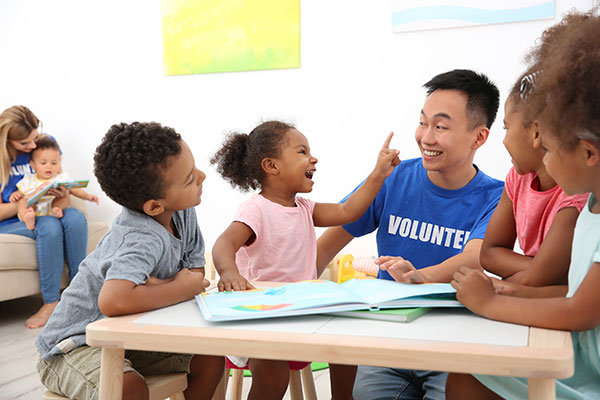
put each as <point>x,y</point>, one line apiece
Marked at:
<point>235,236</point>
<point>578,313</point>
<point>551,263</point>
<point>333,214</point>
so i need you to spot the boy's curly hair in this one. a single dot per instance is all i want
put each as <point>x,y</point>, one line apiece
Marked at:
<point>239,159</point>
<point>45,142</point>
<point>130,161</point>
<point>568,97</point>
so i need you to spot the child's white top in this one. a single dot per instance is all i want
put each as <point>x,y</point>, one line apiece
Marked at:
<point>285,248</point>
<point>30,183</point>
<point>585,383</point>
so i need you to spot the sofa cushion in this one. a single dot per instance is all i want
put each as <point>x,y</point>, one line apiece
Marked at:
<point>18,252</point>
<point>18,262</point>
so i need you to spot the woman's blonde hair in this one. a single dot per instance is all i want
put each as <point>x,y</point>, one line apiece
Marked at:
<point>16,123</point>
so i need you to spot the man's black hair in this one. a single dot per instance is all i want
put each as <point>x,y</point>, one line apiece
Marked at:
<point>483,97</point>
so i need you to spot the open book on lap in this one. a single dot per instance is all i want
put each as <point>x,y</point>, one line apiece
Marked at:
<point>319,296</point>
<point>53,185</point>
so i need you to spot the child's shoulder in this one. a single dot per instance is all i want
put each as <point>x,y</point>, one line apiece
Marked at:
<point>514,179</point>
<point>132,233</point>
<point>129,224</point>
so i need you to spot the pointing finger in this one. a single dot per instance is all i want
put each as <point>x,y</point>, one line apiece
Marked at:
<point>386,144</point>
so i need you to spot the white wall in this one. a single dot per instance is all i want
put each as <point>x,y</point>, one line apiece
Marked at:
<point>83,65</point>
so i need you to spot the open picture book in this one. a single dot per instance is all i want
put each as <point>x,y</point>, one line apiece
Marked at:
<point>320,296</point>
<point>53,185</point>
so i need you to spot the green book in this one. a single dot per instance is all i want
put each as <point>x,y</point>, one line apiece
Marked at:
<point>388,314</point>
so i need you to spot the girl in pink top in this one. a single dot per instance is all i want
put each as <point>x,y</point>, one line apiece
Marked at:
<point>272,237</point>
<point>532,209</point>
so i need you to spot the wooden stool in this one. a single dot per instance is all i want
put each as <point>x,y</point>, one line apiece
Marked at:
<point>159,386</point>
<point>296,377</point>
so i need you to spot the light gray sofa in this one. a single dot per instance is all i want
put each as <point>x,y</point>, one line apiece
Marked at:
<point>18,264</point>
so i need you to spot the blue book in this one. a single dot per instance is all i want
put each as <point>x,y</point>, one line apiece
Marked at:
<point>319,297</point>
<point>54,185</point>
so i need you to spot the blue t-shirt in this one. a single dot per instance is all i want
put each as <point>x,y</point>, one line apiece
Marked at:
<point>425,223</point>
<point>18,169</point>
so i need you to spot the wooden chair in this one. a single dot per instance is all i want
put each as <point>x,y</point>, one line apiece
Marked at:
<point>298,379</point>
<point>210,271</point>
<point>159,386</point>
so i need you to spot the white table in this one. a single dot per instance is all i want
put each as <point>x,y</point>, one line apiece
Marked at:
<point>453,340</point>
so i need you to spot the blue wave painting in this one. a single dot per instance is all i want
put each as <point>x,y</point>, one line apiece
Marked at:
<point>445,16</point>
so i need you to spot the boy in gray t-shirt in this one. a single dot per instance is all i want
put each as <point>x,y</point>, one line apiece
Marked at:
<point>152,257</point>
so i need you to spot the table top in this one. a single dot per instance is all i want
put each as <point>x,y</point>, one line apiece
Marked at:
<point>445,340</point>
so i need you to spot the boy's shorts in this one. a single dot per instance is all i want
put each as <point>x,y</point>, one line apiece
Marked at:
<point>76,374</point>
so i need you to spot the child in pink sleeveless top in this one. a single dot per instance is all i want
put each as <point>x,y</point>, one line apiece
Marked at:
<point>532,209</point>
<point>272,237</point>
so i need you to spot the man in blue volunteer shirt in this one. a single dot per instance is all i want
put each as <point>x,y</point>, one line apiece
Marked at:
<point>431,213</point>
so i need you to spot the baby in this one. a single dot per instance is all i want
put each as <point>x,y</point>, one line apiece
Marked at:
<point>46,163</point>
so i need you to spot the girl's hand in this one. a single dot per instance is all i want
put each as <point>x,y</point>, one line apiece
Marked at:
<point>15,196</point>
<point>400,269</point>
<point>193,283</point>
<point>94,198</point>
<point>233,281</point>
<point>388,158</point>
<point>59,192</point>
<point>474,289</point>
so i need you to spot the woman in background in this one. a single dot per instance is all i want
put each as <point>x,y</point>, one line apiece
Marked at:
<point>56,240</point>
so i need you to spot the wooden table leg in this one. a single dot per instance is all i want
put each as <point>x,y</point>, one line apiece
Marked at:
<point>541,389</point>
<point>111,374</point>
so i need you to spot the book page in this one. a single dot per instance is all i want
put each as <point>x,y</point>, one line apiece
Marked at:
<point>377,291</point>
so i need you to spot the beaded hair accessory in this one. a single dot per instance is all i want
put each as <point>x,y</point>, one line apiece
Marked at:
<point>528,83</point>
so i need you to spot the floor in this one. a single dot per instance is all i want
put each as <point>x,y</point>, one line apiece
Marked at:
<point>18,355</point>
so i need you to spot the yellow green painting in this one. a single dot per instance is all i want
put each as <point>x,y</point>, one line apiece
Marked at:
<point>204,36</point>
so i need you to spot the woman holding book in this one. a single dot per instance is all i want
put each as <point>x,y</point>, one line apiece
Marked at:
<point>57,240</point>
